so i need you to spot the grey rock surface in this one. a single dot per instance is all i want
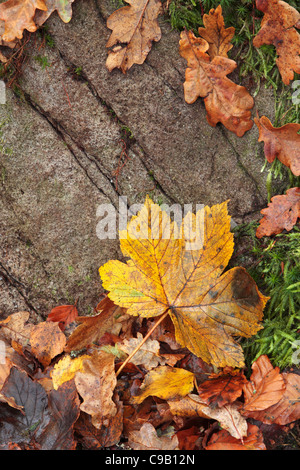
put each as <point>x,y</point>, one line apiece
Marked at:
<point>62,141</point>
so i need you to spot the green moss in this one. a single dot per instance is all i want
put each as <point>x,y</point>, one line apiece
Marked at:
<point>274,264</point>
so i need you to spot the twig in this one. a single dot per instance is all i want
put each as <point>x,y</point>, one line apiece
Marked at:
<point>143,341</point>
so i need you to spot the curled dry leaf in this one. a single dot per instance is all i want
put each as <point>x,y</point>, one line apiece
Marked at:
<point>165,276</point>
<point>223,388</point>
<point>166,382</point>
<point>281,142</point>
<point>147,439</point>
<point>96,385</point>
<point>133,28</point>
<point>222,440</point>
<point>266,387</point>
<point>278,28</point>
<point>281,214</point>
<point>228,416</point>
<point>47,341</point>
<point>225,101</point>
<point>18,15</point>
<point>215,33</point>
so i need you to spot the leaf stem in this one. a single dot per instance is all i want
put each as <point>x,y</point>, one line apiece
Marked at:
<point>143,341</point>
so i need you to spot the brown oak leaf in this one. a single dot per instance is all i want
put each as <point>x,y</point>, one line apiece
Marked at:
<point>215,33</point>
<point>134,27</point>
<point>225,101</point>
<point>281,142</point>
<point>18,15</point>
<point>278,28</point>
<point>63,8</point>
<point>281,214</point>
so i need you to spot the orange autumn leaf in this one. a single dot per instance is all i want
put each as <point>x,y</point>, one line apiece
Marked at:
<point>223,388</point>
<point>225,101</point>
<point>281,214</point>
<point>178,271</point>
<point>134,27</point>
<point>265,388</point>
<point>47,341</point>
<point>222,440</point>
<point>281,142</point>
<point>18,15</point>
<point>215,33</point>
<point>63,314</point>
<point>278,27</point>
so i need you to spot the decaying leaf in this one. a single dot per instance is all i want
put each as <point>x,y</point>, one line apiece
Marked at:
<point>147,439</point>
<point>222,440</point>
<point>266,386</point>
<point>166,382</point>
<point>225,101</point>
<point>92,328</point>
<point>63,8</point>
<point>134,28</point>
<point>278,28</point>
<point>47,341</point>
<point>228,416</point>
<point>18,15</point>
<point>281,214</point>
<point>96,384</point>
<point>17,328</point>
<point>66,369</point>
<point>64,315</point>
<point>148,354</point>
<point>165,276</point>
<point>223,388</point>
<point>215,33</point>
<point>281,142</point>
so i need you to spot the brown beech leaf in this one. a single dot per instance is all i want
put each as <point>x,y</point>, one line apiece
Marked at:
<point>222,440</point>
<point>92,328</point>
<point>228,416</point>
<point>225,101</point>
<point>281,142</point>
<point>47,341</point>
<point>133,28</point>
<point>96,383</point>
<point>287,409</point>
<point>222,388</point>
<point>18,15</point>
<point>63,8</point>
<point>278,28</point>
<point>215,33</point>
<point>63,314</point>
<point>147,439</point>
<point>281,214</point>
<point>266,387</point>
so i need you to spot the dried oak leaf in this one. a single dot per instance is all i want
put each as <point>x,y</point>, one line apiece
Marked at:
<point>92,328</point>
<point>228,416</point>
<point>63,8</point>
<point>47,341</point>
<point>63,314</point>
<point>133,28</point>
<point>278,28</point>
<point>281,142</point>
<point>265,388</point>
<point>18,15</point>
<point>281,214</point>
<point>147,439</point>
<point>222,440</point>
<point>215,33</point>
<point>179,272</point>
<point>166,382</point>
<point>287,409</point>
<point>225,101</point>
<point>95,384</point>
<point>223,388</point>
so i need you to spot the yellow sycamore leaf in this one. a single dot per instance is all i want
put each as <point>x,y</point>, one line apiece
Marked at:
<point>66,369</point>
<point>178,270</point>
<point>166,382</point>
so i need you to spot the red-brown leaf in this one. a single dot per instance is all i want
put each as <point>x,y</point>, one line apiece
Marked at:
<point>63,314</point>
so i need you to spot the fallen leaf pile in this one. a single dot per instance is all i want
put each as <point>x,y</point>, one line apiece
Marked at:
<point>109,382</point>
